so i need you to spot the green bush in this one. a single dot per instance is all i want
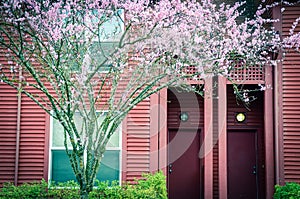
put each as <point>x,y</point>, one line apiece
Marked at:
<point>152,186</point>
<point>24,191</point>
<point>154,183</point>
<point>66,190</point>
<point>290,190</point>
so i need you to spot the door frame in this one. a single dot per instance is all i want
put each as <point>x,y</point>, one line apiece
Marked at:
<point>201,169</point>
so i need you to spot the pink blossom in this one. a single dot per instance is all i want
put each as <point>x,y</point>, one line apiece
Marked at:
<point>200,33</point>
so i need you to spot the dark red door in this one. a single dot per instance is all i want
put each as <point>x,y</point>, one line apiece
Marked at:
<point>184,176</point>
<point>242,165</point>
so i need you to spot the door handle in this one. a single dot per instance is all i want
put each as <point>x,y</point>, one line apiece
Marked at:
<point>170,168</point>
<point>254,170</point>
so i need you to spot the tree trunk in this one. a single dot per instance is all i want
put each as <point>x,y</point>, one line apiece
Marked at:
<point>85,189</point>
<point>84,194</point>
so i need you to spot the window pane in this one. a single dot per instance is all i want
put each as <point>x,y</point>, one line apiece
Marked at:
<point>98,52</point>
<point>114,139</point>
<point>61,167</point>
<point>58,133</point>
<point>62,170</point>
<point>113,28</point>
<point>110,165</point>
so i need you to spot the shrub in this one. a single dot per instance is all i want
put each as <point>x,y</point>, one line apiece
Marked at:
<point>155,184</point>
<point>65,190</point>
<point>152,186</point>
<point>290,190</point>
<point>24,191</point>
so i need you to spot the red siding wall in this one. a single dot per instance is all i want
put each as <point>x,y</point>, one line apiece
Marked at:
<point>254,113</point>
<point>185,102</point>
<point>291,102</point>
<point>8,128</point>
<point>33,142</point>
<point>25,160</point>
<point>137,144</point>
<point>33,138</point>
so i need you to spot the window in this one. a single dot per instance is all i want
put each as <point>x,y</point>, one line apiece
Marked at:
<point>107,42</point>
<point>60,169</point>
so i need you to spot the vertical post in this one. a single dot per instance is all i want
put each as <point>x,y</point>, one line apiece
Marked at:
<point>279,159</point>
<point>154,129</point>
<point>222,110</point>
<point>163,131</point>
<point>268,128</point>
<point>18,131</point>
<point>206,150</point>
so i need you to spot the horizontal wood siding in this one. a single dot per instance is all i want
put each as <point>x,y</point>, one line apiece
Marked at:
<point>138,141</point>
<point>291,102</point>
<point>254,113</point>
<point>31,159</point>
<point>179,101</point>
<point>8,128</point>
<point>32,142</point>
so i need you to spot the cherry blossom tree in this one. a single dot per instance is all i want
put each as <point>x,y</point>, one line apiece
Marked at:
<point>99,59</point>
